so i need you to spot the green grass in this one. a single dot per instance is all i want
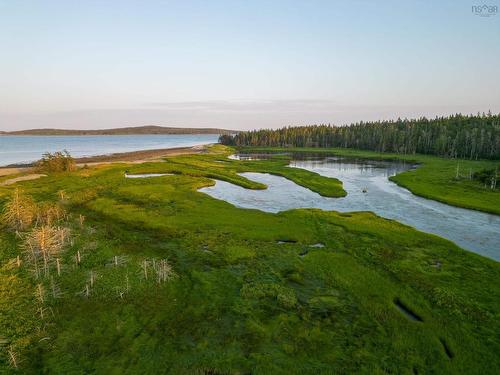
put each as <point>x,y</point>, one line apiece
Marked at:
<point>435,178</point>
<point>218,166</point>
<point>241,302</point>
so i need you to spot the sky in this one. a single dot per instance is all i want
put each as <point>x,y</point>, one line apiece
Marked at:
<point>243,64</point>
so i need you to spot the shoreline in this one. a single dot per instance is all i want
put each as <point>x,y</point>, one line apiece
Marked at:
<point>138,156</point>
<point>141,155</point>
<point>95,134</point>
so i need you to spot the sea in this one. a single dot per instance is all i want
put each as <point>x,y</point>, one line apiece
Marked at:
<point>26,149</point>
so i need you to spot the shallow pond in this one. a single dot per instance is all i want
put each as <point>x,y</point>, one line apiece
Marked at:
<point>147,175</point>
<point>369,189</point>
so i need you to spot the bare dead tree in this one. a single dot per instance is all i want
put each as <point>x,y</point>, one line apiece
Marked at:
<point>55,290</point>
<point>123,290</point>
<point>13,357</point>
<point>117,261</point>
<point>92,278</point>
<point>86,292</point>
<point>40,293</point>
<point>64,235</point>
<point>49,213</point>
<point>81,219</point>
<point>19,211</point>
<point>43,312</point>
<point>144,267</point>
<point>494,179</point>
<point>163,270</point>
<point>42,245</point>
<point>58,266</point>
<point>62,195</point>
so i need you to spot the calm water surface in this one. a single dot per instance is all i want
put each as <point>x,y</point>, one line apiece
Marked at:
<point>25,149</point>
<point>472,230</point>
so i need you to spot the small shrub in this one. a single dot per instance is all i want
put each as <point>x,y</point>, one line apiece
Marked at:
<point>489,177</point>
<point>284,296</point>
<point>56,162</point>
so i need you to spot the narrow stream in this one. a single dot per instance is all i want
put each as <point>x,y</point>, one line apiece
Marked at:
<point>369,189</point>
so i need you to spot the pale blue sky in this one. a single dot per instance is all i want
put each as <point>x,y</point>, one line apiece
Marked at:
<point>242,64</point>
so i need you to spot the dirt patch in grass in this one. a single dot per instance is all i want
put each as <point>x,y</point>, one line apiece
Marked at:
<point>9,171</point>
<point>28,177</point>
<point>140,156</point>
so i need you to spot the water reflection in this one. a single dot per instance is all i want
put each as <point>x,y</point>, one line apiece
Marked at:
<point>250,157</point>
<point>368,189</point>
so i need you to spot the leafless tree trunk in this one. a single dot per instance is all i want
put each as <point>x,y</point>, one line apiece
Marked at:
<point>13,360</point>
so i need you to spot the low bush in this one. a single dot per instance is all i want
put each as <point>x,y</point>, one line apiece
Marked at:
<point>60,161</point>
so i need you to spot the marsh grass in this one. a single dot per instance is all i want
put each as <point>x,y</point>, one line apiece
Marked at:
<point>144,298</point>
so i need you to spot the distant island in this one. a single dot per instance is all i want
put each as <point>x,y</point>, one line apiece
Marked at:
<point>138,130</point>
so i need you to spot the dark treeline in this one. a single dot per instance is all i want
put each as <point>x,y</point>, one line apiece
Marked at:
<point>456,136</point>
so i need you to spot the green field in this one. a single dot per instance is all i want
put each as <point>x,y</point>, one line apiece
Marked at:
<point>242,291</point>
<point>435,178</point>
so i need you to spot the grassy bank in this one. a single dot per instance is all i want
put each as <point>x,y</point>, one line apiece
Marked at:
<point>246,292</point>
<point>434,179</point>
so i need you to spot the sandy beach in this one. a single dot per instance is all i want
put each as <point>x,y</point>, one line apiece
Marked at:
<point>121,157</point>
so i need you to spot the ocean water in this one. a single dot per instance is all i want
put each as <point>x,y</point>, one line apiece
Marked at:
<point>26,149</point>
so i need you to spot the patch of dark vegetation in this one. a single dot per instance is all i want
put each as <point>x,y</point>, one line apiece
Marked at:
<point>303,253</point>
<point>205,249</point>
<point>213,372</point>
<point>437,264</point>
<point>407,311</point>
<point>325,305</point>
<point>447,349</point>
<point>489,177</point>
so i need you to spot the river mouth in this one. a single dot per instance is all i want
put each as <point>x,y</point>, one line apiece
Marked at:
<point>368,189</point>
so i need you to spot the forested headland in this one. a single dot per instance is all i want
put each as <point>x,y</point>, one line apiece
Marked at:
<point>135,130</point>
<point>456,136</point>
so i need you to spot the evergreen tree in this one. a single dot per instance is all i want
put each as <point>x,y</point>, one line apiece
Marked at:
<point>456,136</point>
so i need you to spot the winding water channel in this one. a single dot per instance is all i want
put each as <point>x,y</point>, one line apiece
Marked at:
<point>368,189</point>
